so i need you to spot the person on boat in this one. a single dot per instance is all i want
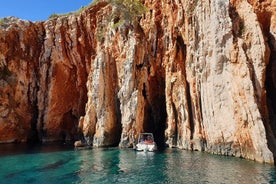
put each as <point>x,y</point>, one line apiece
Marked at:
<point>148,140</point>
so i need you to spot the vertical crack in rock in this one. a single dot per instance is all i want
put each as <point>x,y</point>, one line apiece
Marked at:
<point>33,136</point>
<point>175,137</point>
<point>190,112</point>
<point>45,80</point>
<point>180,125</point>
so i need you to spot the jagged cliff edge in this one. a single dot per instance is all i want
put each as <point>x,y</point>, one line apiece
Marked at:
<point>200,75</point>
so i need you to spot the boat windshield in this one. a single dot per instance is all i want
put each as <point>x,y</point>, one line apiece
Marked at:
<point>146,137</point>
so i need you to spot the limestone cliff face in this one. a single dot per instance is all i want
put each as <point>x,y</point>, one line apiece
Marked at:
<point>44,69</point>
<point>200,75</point>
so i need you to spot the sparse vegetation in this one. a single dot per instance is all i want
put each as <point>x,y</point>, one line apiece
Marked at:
<point>126,11</point>
<point>123,12</point>
<point>3,21</point>
<point>55,15</point>
<point>193,5</point>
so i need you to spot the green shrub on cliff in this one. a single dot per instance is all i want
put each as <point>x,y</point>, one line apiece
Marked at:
<point>3,21</point>
<point>123,12</point>
<point>192,6</point>
<point>126,11</point>
<point>53,16</point>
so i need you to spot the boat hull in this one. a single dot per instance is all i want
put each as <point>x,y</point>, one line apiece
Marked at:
<point>146,147</point>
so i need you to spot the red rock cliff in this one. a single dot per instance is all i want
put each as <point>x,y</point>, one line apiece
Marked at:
<point>200,75</point>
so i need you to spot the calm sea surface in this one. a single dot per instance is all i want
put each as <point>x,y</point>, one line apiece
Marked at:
<point>66,165</point>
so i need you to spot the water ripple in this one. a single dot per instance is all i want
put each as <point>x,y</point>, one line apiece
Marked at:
<point>127,166</point>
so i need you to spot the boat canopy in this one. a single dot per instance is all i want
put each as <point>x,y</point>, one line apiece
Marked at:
<point>146,137</point>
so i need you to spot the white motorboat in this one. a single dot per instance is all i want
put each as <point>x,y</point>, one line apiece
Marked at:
<point>146,142</point>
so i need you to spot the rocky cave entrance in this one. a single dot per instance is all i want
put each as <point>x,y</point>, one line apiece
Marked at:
<point>271,87</point>
<point>155,119</point>
<point>155,109</point>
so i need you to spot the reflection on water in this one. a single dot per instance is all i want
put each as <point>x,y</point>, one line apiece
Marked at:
<point>128,166</point>
<point>16,149</point>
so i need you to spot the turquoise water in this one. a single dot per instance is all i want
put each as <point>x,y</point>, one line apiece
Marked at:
<point>127,166</point>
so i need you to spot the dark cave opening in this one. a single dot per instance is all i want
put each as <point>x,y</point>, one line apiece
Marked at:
<point>156,114</point>
<point>118,121</point>
<point>181,48</point>
<point>156,121</point>
<point>33,133</point>
<point>271,100</point>
<point>270,84</point>
<point>68,128</point>
<point>33,137</point>
<point>160,122</point>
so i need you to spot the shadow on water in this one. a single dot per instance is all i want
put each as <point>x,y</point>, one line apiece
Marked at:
<point>22,148</point>
<point>45,168</point>
<point>52,166</point>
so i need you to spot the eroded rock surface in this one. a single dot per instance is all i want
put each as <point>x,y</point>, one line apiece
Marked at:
<point>200,75</point>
